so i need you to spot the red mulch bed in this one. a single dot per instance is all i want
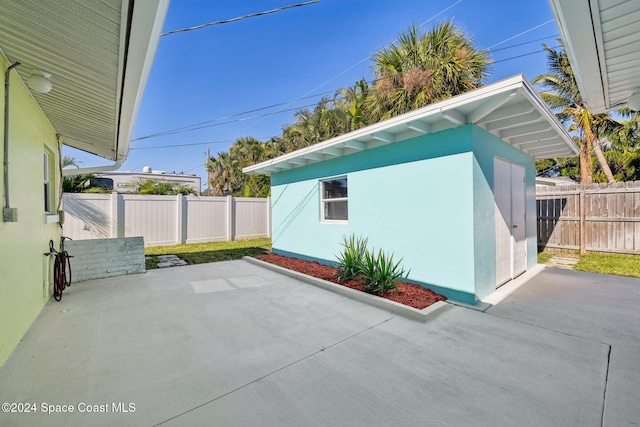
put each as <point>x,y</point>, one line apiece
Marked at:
<point>407,293</point>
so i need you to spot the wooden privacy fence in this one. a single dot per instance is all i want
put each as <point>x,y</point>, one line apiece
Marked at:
<point>165,220</point>
<point>596,217</point>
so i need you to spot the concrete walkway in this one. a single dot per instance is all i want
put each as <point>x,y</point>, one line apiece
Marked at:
<point>232,343</point>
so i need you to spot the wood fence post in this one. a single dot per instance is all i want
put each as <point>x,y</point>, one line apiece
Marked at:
<point>583,218</point>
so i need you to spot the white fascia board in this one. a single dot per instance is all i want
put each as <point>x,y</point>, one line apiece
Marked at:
<point>548,115</point>
<point>575,22</point>
<point>399,123</point>
<point>147,21</point>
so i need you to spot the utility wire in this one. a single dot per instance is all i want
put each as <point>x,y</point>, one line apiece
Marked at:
<point>524,54</point>
<point>190,144</point>
<point>353,66</point>
<point>212,122</point>
<point>191,127</point>
<point>206,124</point>
<point>524,43</point>
<point>520,34</point>
<point>226,123</point>
<point>198,126</point>
<point>239,18</point>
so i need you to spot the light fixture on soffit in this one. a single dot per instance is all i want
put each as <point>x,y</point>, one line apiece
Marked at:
<point>40,82</point>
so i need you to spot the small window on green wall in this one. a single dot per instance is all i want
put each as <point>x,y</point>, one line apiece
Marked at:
<point>334,199</point>
<point>47,182</point>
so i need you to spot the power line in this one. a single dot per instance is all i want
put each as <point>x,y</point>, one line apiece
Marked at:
<point>239,18</point>
<point>523,43</point>
<point>353,66</point>
<point>243,119</point>
<point>524,54</point>
<point>193,126</point>
<point>205,124</point>
<point>520,34</point>
<point>211,123</point>
<point>193,143</point>
<point>181,145</point>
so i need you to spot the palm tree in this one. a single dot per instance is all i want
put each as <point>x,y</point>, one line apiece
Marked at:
<point>562,95</point>
<point>225,169</point>
<point>626,137</point>
<point>419,69</point>
<point>624,156</point>
<point>222,173</point>
<point>70,161</point>
<point>353,102</point>
<point>328,119</point>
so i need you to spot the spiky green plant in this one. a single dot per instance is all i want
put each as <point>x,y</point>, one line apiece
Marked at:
<point>380,272</point>
<point>350,260</point>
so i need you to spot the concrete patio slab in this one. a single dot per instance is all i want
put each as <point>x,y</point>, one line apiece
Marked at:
<point>598,307</point>
<point>201,345</point>
<point>460,368</point>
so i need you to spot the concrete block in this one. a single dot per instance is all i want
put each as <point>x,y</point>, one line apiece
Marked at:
<point>99,258</point>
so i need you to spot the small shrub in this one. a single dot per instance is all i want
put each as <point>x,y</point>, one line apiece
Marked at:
<point>350,260</point>
<point>380,272</point>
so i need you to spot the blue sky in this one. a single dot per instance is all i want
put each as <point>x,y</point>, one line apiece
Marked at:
<point>225,70</point>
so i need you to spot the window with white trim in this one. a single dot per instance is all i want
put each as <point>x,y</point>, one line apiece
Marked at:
<point>334,199</point>
<point>47,183</point>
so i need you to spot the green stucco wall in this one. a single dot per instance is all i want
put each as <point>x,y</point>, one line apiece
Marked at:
<point>428,200</point>
<point>22,243</point>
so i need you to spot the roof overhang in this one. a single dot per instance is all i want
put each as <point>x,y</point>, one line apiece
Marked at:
<point>602,40</point>
<point>509,109</point>
<point>99,55</point>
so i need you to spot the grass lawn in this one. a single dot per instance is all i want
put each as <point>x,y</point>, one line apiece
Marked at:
<point>199,253</point>
<point>605,263</point>
<point>543,257</point>
<point>618,264</point>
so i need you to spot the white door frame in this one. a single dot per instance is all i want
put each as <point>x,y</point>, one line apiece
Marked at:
<point>510,220</point>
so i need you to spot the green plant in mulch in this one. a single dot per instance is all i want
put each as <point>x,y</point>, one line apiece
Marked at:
<point>378,272</point>
<point>351,258</point>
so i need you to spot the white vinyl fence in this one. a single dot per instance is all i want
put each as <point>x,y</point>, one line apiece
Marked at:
<point>165,220</point>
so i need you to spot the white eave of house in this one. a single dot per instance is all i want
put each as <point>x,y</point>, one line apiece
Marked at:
<point>509,109</point>
<point>99,55</point>
<point>602,40</point>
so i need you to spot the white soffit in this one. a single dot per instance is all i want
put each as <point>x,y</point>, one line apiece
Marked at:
<point>99,53</point>
<point>602,40</point>
<point>509,109</point>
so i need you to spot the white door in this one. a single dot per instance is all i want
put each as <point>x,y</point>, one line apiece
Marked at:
<point>509,213</point>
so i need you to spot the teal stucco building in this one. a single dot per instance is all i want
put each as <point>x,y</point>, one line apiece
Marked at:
<point>450,188</point>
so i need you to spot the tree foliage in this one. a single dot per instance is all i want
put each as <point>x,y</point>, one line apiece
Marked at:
<point>417,69</point>
<point>75,183</point>
<point>563,96</point>
<point>162,188</point>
